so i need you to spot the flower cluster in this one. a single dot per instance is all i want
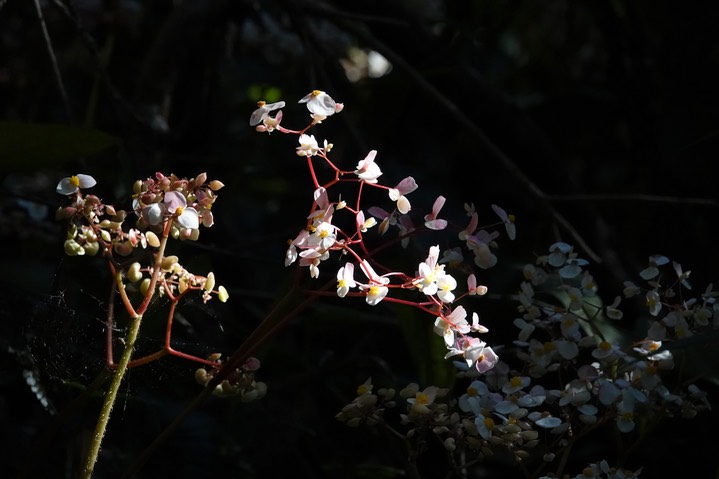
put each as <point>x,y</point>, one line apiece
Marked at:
<point>162,207</point>
<point>358,276</point>
<point>241,382</point>
<point>569,377</point>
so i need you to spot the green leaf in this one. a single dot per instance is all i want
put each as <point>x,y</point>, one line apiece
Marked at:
<point>30,146</point>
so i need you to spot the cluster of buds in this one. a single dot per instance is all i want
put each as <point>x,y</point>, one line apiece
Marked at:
<point>438,289</point>
<point>175,280</point>
<point>241,382</point>
<point>162,207</point>
<point>188,202</point>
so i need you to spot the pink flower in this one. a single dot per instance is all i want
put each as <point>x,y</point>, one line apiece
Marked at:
<point>431,221</point>
<point>399,192</point>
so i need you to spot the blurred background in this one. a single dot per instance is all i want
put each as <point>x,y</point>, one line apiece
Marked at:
<point>595,123</point>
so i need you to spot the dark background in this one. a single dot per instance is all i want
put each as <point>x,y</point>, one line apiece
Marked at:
<point>602,112</point>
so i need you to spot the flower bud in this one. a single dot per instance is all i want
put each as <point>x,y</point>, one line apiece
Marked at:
<point>152,239</point>
<point>124,248</point>
<point>168,262</point>
<point>222,294</point>
<point>145,286</point>
<point>216,185</point>
<point>65,213</point>
<point>73,248</point>
<point>133,273</point>
<point>201,377</point>
<point>91,247</point>
<point>200,179</point>
<point>210,281</point>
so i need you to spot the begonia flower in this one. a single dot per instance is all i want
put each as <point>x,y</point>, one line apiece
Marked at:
<point>176,205</point>
<point>345,279</point>
<point>308,145</point>
<point>431,221</point>
<point>367,170</point>
<point>263,111</point>
<point>72,184</point>
<point>399,192</point>
<point>454,322</point>
<point>508,221</point>
<point>321,104</point>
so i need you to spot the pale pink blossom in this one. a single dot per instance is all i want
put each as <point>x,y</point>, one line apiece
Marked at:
<point>431,221</point>
<point>367,170</point>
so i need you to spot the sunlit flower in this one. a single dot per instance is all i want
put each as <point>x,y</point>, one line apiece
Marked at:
<point>308,145</point>
<point>176,205</point>
<point>345,279</point>
<point>454,322</point>
<point>321,105</point>
<point>431,221</point>
<point>399,192</point>
<point>72,184</point>
<point>261,114</point>
<point>367,169</point>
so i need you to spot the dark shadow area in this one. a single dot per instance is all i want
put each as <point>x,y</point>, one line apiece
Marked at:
<point>594,123</point>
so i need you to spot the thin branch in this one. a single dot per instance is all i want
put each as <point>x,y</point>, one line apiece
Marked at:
<point>604,198</point>
<point>53,61</point>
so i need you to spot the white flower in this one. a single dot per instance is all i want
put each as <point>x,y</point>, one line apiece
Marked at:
<point>367,169</point>
<point>261,114</point>
<point>375,293</point>
<point>308,145</point>
<point>345,279</point>
<point>454,321</point>
<point>72,184</point>
<point>320,103</point>
<point>176,205</point>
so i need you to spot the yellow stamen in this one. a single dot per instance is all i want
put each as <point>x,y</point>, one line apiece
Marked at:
<point>75,181</point>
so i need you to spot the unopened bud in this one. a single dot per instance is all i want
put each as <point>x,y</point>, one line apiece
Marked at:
<point>133,272</point>
<point>152,239</point>
<point>168,262</point>
<point>183,284</point>
<point>216,185</point>
<point>145,286</point>
<point>73,248</point>
<point>201,377</point>
<point>222,294</point>
<point>210,281</point>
